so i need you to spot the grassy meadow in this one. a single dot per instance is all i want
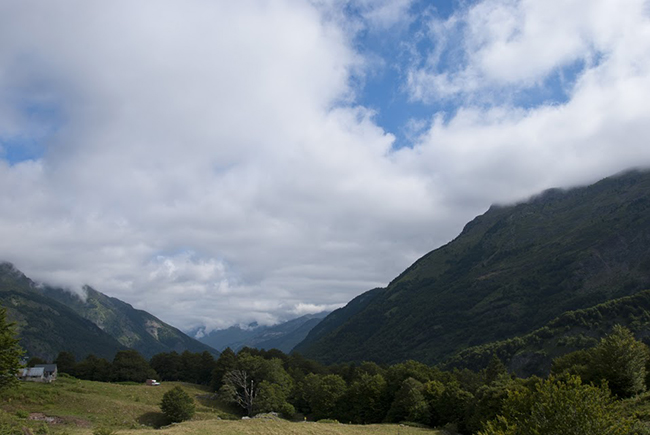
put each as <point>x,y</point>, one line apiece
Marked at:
<point>74,407</point>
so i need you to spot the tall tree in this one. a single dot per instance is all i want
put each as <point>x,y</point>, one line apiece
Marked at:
<point>129,365</point>
<point>190,367</point>
<point>10,352</point>
<point>621,360</point>
<point>495,369</point>
<point>167,365</point>
<point>93,368</point>
<point>207,365</point>
<point>240,387</point>
<point>409,403</point>
<point>65,362</point>
<point>367,399</point>
<point>323,394</point>
<point>226,362</point>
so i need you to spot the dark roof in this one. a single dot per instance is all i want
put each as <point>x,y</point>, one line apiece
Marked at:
<point>49,368</point>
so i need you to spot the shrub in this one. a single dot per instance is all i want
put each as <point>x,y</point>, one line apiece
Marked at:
<point>559,406</point>
<point>177,405</point>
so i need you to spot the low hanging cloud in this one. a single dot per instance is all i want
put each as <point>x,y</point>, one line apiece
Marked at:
<point>207,162</point>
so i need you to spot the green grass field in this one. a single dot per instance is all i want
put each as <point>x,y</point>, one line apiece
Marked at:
<point>75,407</point>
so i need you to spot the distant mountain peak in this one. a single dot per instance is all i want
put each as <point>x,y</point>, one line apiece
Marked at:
<point>283,336</point>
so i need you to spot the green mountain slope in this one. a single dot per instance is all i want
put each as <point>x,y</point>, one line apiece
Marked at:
<point>337,319</point>
<point>135,329</point>
<point>509,272</point>
<point>581,329</point>
<point>45,326</point>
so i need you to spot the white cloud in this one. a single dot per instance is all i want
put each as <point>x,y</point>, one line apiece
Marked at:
<point>518,44</point>
<point>209,164</point>
<point>204,168</point>
<point>506,152</point>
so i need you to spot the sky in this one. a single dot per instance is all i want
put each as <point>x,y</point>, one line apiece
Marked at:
<point>217,162</point>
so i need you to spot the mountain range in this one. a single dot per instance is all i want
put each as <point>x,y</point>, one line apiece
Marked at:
<point>284,336</point>
<point>50,319</point>
<point>526,282</point>
<point>510,272</point>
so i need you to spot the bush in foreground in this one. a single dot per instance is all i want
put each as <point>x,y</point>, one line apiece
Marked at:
<point>560,406</point>
<point>177,405</point>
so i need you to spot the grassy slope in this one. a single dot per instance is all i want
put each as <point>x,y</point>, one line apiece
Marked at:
<point>83,406</point>
<point>271,427</point>
<point>87,404</point>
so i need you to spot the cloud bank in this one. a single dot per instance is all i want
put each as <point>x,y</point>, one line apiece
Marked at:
<point>209,161</point>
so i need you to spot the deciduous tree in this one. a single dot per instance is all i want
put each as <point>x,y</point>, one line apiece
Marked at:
<point>177,405</point>
<point>559,406</point>
<point>621,360</point>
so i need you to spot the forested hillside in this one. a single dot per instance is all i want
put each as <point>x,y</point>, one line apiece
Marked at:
<point>51,320</point>
<point>45,326</point>
<point>135,329</point>
<point>509,272</point>
<point>532,354</point>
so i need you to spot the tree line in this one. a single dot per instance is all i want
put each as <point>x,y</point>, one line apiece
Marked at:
<point>582,395</point>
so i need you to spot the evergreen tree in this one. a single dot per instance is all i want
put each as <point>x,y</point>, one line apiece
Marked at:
<point>10,352</point>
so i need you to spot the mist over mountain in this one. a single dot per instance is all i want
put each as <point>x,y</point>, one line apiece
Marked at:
<point>283,336</point>
<point>45,326</point>
<point>50,320</point>
<point>509,272</point>
<point>135,329</point>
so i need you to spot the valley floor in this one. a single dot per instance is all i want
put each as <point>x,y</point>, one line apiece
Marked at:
<point>266,427</point>
<point>74,407</point>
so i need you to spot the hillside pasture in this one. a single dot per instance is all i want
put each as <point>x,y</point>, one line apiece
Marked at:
<point>76,407</point>
<point>280,427</point>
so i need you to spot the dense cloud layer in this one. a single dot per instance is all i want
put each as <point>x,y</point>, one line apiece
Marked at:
<point>209,162</point>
